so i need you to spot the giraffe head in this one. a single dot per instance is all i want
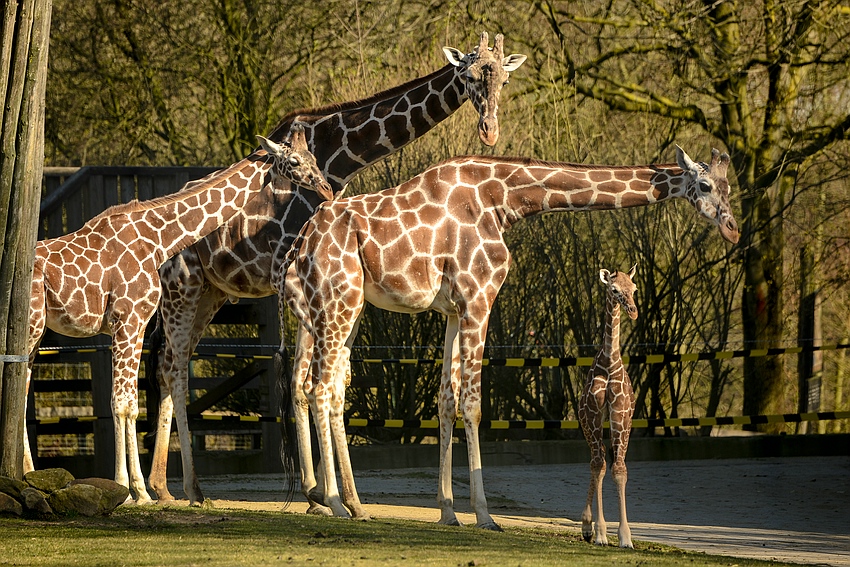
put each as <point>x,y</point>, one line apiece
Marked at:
<point>484,72</point>
<point>294,161</point>
<point>621,286</point>
<point>707,188</point>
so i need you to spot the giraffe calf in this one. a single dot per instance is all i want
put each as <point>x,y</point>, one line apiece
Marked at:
<point>608,393</point>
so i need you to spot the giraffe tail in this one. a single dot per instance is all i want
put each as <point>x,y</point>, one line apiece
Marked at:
<point>288,440</point>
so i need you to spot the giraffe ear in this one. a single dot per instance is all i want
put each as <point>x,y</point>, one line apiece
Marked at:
<point>632,271</point>
<point>512,62</point>
<point>605,276</point>
<point>455,56</point>
<point>684,161</point>
<point>271,148</point>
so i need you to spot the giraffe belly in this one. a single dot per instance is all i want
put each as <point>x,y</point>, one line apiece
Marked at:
<point>410,300</point>
<point>79,327</point>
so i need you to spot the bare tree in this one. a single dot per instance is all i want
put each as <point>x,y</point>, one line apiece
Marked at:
<point>769,80</point>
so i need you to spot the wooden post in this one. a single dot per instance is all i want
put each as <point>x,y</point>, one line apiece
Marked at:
<point>269,321</point>
<point>23,74</point>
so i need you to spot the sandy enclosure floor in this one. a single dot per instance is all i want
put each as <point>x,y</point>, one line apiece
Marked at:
<point>794,509</point>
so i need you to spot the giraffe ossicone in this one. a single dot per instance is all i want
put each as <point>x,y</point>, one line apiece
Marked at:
<point>436,242</point>
<point>243,257</point>
<point>608,394</point>
<point>103,278</point>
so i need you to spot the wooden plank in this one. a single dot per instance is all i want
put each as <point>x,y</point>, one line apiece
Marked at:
<point>94,202</point>
<point>224,389</point>
<point>127,189</point>
<point>144,187</point>
<point>110,191</point>
<point>104,431</point>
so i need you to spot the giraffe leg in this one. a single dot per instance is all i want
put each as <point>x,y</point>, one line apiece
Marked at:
<point>591,416</point>
<point>343,379</point>
<point>29,466</point>
<point>621,425</point>
<point>208,304</point>
<point>37,323</point>
<point>186,309</point>
<point>126,354</point>
<point>311,489</point>
<point>320,402</point>
<point>472,351</point>
<point>159,458</point>
<point>447,408</point>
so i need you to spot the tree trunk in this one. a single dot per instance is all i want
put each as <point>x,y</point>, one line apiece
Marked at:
<point>764,389</point>
<point>23,74</point>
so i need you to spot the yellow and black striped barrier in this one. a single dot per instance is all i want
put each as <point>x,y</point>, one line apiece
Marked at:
<point>543,362</point>
<point>505,424</point>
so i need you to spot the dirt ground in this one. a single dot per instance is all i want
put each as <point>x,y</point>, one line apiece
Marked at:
<point>785,509</point>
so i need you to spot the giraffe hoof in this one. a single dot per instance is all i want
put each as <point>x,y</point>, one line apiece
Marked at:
<point>319,510</point>
<point>491,525</point>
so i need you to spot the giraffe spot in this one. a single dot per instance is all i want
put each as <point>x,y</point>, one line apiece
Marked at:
<point>371,131</point>
<point>609,187</point>
<point>597,176</point>
<point>396,129</point>
<point>625,174</point>
<point>519,177</point>
<point>401,105</point>
<point>420,121</point>
<point>434,108</point>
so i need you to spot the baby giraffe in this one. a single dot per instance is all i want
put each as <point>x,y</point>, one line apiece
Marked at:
<point>608,392</point>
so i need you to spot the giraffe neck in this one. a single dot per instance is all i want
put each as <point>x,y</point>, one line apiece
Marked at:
<point>611,341</point>
<point>175,222</point>
<point>526,188</point>
<point>349,137</point>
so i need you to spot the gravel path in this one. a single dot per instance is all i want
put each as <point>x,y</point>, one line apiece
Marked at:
<point>785,509</point>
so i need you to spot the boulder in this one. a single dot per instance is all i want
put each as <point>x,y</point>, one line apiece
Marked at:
<point>9,505</point>
<point>81,499</point>
<point>48,480</point>
<point>35,501</point>
<point>12,487</point>
<point>114,494</point>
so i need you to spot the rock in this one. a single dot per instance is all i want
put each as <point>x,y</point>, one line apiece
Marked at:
<point>49,480</point>
<point>36,501</point>
<point>80,498</point>
<point>113,493</point>
<point>12,487</point>
<point>9,505</point>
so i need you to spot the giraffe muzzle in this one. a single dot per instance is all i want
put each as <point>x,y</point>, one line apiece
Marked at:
<point>324,190</point>
<point>488,130</point>
<point>729,230</point>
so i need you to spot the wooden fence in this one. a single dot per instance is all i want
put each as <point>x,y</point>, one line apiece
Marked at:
<point>70,197</point>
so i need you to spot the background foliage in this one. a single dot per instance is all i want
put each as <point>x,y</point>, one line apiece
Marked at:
<point>615,82</point>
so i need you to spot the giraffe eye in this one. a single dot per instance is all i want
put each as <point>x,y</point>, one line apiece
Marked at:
<point>294,161</point>
<point>704,186</point>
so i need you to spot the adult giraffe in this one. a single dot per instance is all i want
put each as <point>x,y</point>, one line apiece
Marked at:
<point>436,242</point>
<point>243,257</point>
<point>103,278</point>
<point>608,394</point>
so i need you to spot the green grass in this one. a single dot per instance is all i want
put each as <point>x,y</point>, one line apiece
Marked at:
<point>180,536</point>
